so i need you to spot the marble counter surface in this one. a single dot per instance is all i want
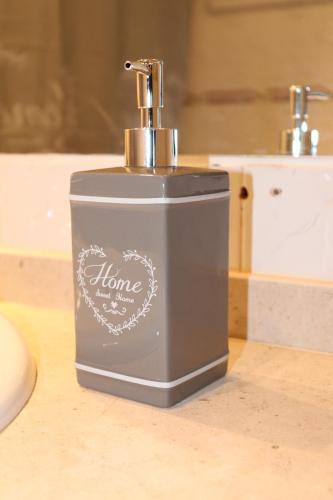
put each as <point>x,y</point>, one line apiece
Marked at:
<point>264,432</point>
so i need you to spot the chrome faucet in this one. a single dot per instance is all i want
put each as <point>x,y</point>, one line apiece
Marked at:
<point>300,140</point>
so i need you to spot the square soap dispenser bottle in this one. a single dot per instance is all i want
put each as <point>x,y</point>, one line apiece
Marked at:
<point>150,259</point>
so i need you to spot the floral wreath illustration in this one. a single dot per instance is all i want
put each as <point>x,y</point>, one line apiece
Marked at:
<point>133,320</point>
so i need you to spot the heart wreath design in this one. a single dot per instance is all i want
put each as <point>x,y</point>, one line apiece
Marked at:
<point>142,311</point>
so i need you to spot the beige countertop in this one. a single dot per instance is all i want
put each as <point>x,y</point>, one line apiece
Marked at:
<point>265,432</point>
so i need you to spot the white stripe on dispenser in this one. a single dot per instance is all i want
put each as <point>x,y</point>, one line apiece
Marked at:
<point>151,383</point>
<point>149,201</point>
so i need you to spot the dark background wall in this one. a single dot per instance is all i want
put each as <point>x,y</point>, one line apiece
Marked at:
<point>228,67</point>
<point>62,83</point>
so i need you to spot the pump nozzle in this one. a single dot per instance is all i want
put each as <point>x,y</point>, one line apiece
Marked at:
<point>137,66</point>
<point>150,145</point>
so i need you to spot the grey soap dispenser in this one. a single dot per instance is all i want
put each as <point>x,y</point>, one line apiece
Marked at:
<point>150,261</point>
<point>300,139</point>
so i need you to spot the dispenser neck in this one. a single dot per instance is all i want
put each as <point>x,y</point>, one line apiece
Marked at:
<point>299,106</point>
<point>150,118</point>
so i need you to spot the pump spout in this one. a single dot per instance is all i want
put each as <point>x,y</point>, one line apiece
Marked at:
<point>149,88</point>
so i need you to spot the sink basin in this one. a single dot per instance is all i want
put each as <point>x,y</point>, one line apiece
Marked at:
<point>17,373</point>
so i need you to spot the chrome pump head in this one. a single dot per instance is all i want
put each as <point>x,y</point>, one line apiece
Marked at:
<point>300,140</point>
<point>150,145</point>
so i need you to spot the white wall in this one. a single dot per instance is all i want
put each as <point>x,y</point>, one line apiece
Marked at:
<point>285,226</point>
<point>34,206</point>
